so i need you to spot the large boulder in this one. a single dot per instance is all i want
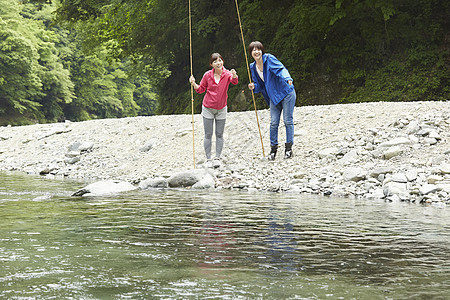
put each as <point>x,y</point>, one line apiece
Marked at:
<point>191,178</point>
<point>105,187</point>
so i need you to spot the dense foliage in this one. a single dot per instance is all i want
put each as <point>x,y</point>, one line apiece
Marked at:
<point>45,76</point>
<point>337,51</point>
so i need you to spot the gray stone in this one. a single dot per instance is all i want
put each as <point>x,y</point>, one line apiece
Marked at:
<point>72,154</point>
<point>187,178</point>
<point>342,151</point>
<point>395,188</point>
<point>382,170</point>
<point>81,147</point>
<point>350,157</point>
<point>444,187</point>
<point>328,152</point>
<point>432,179</point>
<point>369,146</point>
<point>4,137</point>
<point>393,198</point>
<point>354,174</point>
<point>208,182</point>
<point>72,160</point>
<point>396,142</point>
<point>412,127</point>
<point>274,188</point>
<point>183,132</point>
<point>74,147</point>
<point>411,175</point>
<point>392,152</point>
<point>439,205</point>
<point>299,175</point>
<point>414,140</point>
<point>377,153</point>
<point>48,169</point>
<point>423,132</point>
<point>159,182</point>
<point>373,131</point>
<point>444,168</point>
<point>148,146</point>
<point>375,194</point>
<point>399,177</point>
<point>85,146</point>
<point>428,189</point>
<point>300,132</point>
<point>435,135</point>
<point>430,141</point>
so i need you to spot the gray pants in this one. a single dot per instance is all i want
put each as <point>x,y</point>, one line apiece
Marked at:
<point>208,125</point>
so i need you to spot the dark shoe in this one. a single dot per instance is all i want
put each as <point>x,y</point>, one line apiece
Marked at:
<point>273,152</point>
<point>288,151</point>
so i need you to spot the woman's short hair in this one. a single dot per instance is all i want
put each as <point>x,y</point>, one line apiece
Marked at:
<point>257,45</point>
<point>214,57</point>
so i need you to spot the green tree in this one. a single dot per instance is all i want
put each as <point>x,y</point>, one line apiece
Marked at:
<point>336,50</point>
<point>33,81</point>
<point>352,48</point>
<point>157,31</point>
<point>20,84</point>
<point>50,73</point>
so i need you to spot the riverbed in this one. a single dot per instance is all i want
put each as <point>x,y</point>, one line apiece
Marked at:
<point>396,150</point>
<point>191,244</point>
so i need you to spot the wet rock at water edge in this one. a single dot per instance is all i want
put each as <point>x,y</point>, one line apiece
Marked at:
<point>48,169</point>
<point>105,187</point>
<point>156,183</point>
<point>190,178</point>
<point>429,189</point>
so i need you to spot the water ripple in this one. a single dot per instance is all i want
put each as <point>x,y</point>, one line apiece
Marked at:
<point>172,244</point>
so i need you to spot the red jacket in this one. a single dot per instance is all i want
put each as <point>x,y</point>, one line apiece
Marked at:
<point>216,94</point>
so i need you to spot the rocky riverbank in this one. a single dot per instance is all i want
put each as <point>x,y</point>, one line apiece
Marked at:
<point>396,151</point>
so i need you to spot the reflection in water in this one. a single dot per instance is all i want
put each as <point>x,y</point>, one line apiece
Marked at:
<point>214,240</point>
<point>173,244</point>
<point>280,241</point>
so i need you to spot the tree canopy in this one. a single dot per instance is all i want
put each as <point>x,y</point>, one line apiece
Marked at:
<point>336,50</point>
<point>114,58</point>
<point>47,76</point>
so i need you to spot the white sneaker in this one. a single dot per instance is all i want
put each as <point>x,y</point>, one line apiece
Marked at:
<point>216,162</point>
<point>209,163</point>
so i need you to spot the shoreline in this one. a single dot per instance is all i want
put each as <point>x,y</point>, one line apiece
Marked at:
<point>398,151</point>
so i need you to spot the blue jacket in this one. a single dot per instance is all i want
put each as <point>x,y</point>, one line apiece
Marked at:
<point>275,86</point>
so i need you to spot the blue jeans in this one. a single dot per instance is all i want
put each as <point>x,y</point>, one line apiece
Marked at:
<point>287,106</point>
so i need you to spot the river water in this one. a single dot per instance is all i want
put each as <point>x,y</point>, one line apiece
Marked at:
<point>215,245</point>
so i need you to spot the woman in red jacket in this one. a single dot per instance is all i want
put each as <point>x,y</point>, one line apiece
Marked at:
<point>215,82</point>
